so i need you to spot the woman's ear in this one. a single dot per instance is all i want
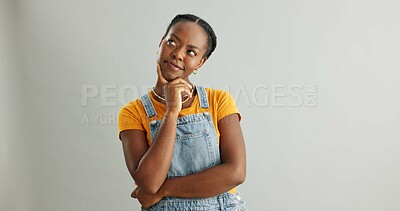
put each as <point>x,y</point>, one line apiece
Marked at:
<point>204,59</point>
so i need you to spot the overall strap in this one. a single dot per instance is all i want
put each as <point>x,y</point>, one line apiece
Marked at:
<point>148,106</point>
<point>201,91</point>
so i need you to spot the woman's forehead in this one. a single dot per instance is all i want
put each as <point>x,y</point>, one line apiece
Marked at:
<point>189,32</point>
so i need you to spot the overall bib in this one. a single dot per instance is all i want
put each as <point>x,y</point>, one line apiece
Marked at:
<point>196,148</point>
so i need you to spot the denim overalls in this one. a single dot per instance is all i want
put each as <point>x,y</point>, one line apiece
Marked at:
<point>196,148</point>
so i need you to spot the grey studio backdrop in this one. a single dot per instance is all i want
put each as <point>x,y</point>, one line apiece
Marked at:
<point>316,83</point>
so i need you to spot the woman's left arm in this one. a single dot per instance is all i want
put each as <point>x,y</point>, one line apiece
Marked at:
<point>218,179</point>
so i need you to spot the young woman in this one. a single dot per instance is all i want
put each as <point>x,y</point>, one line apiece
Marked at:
<point>183,143</point>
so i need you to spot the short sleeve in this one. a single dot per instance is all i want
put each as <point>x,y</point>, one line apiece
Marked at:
<point>129,118</point>
<point>226,105</point>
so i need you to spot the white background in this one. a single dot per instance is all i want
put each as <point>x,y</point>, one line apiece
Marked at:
<point>340,154</point>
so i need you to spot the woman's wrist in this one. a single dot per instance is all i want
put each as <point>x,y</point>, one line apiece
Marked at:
<point>162,191</point>
<point>169,115</point>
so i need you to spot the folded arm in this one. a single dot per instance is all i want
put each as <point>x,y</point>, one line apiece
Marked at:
<point>148,166</point>
<point>218,179</point>
<point>210,182</point>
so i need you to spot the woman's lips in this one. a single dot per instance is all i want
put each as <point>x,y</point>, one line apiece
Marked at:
<point>173,66</point>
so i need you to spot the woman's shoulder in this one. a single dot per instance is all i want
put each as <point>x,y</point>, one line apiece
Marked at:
<point>131,115</point>
<point>131,107</point>
<point>217,94</point>
<point>220,98</point>
<point>223,102</point>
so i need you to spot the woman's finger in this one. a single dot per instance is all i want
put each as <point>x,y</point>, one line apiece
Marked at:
<point>162,79</point>
<point>179,90</point>
<point>181,81</point>
<point>185,91</point>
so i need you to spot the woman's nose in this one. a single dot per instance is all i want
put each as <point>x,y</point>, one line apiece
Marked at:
<point>178,54</point>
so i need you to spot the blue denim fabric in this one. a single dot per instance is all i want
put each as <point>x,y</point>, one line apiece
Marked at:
<point>225,201</point>
<point>196,148</point>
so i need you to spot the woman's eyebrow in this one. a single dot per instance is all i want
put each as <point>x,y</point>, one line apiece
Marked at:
<point>193,46</point>
<point>179,40</point>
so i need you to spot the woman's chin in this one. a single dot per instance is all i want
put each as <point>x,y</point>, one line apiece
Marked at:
<point>171,75</point>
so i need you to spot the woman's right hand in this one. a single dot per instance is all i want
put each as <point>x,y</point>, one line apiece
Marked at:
<point>173,92</point>
<point>146,199</point>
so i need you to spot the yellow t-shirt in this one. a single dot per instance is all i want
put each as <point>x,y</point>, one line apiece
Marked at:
<point>133,115</point>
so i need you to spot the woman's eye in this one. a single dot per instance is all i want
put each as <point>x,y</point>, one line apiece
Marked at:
<point>170,42</point>
<point>192,53</point>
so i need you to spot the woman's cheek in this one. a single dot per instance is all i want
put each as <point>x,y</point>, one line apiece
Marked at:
<point>159,52</point>
<point>192,65</point>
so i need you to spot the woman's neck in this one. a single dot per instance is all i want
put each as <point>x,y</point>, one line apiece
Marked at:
<point>159,89</point>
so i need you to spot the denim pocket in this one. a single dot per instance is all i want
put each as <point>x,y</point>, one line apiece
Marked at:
<point>192,153</point>
<point>235,203</point>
